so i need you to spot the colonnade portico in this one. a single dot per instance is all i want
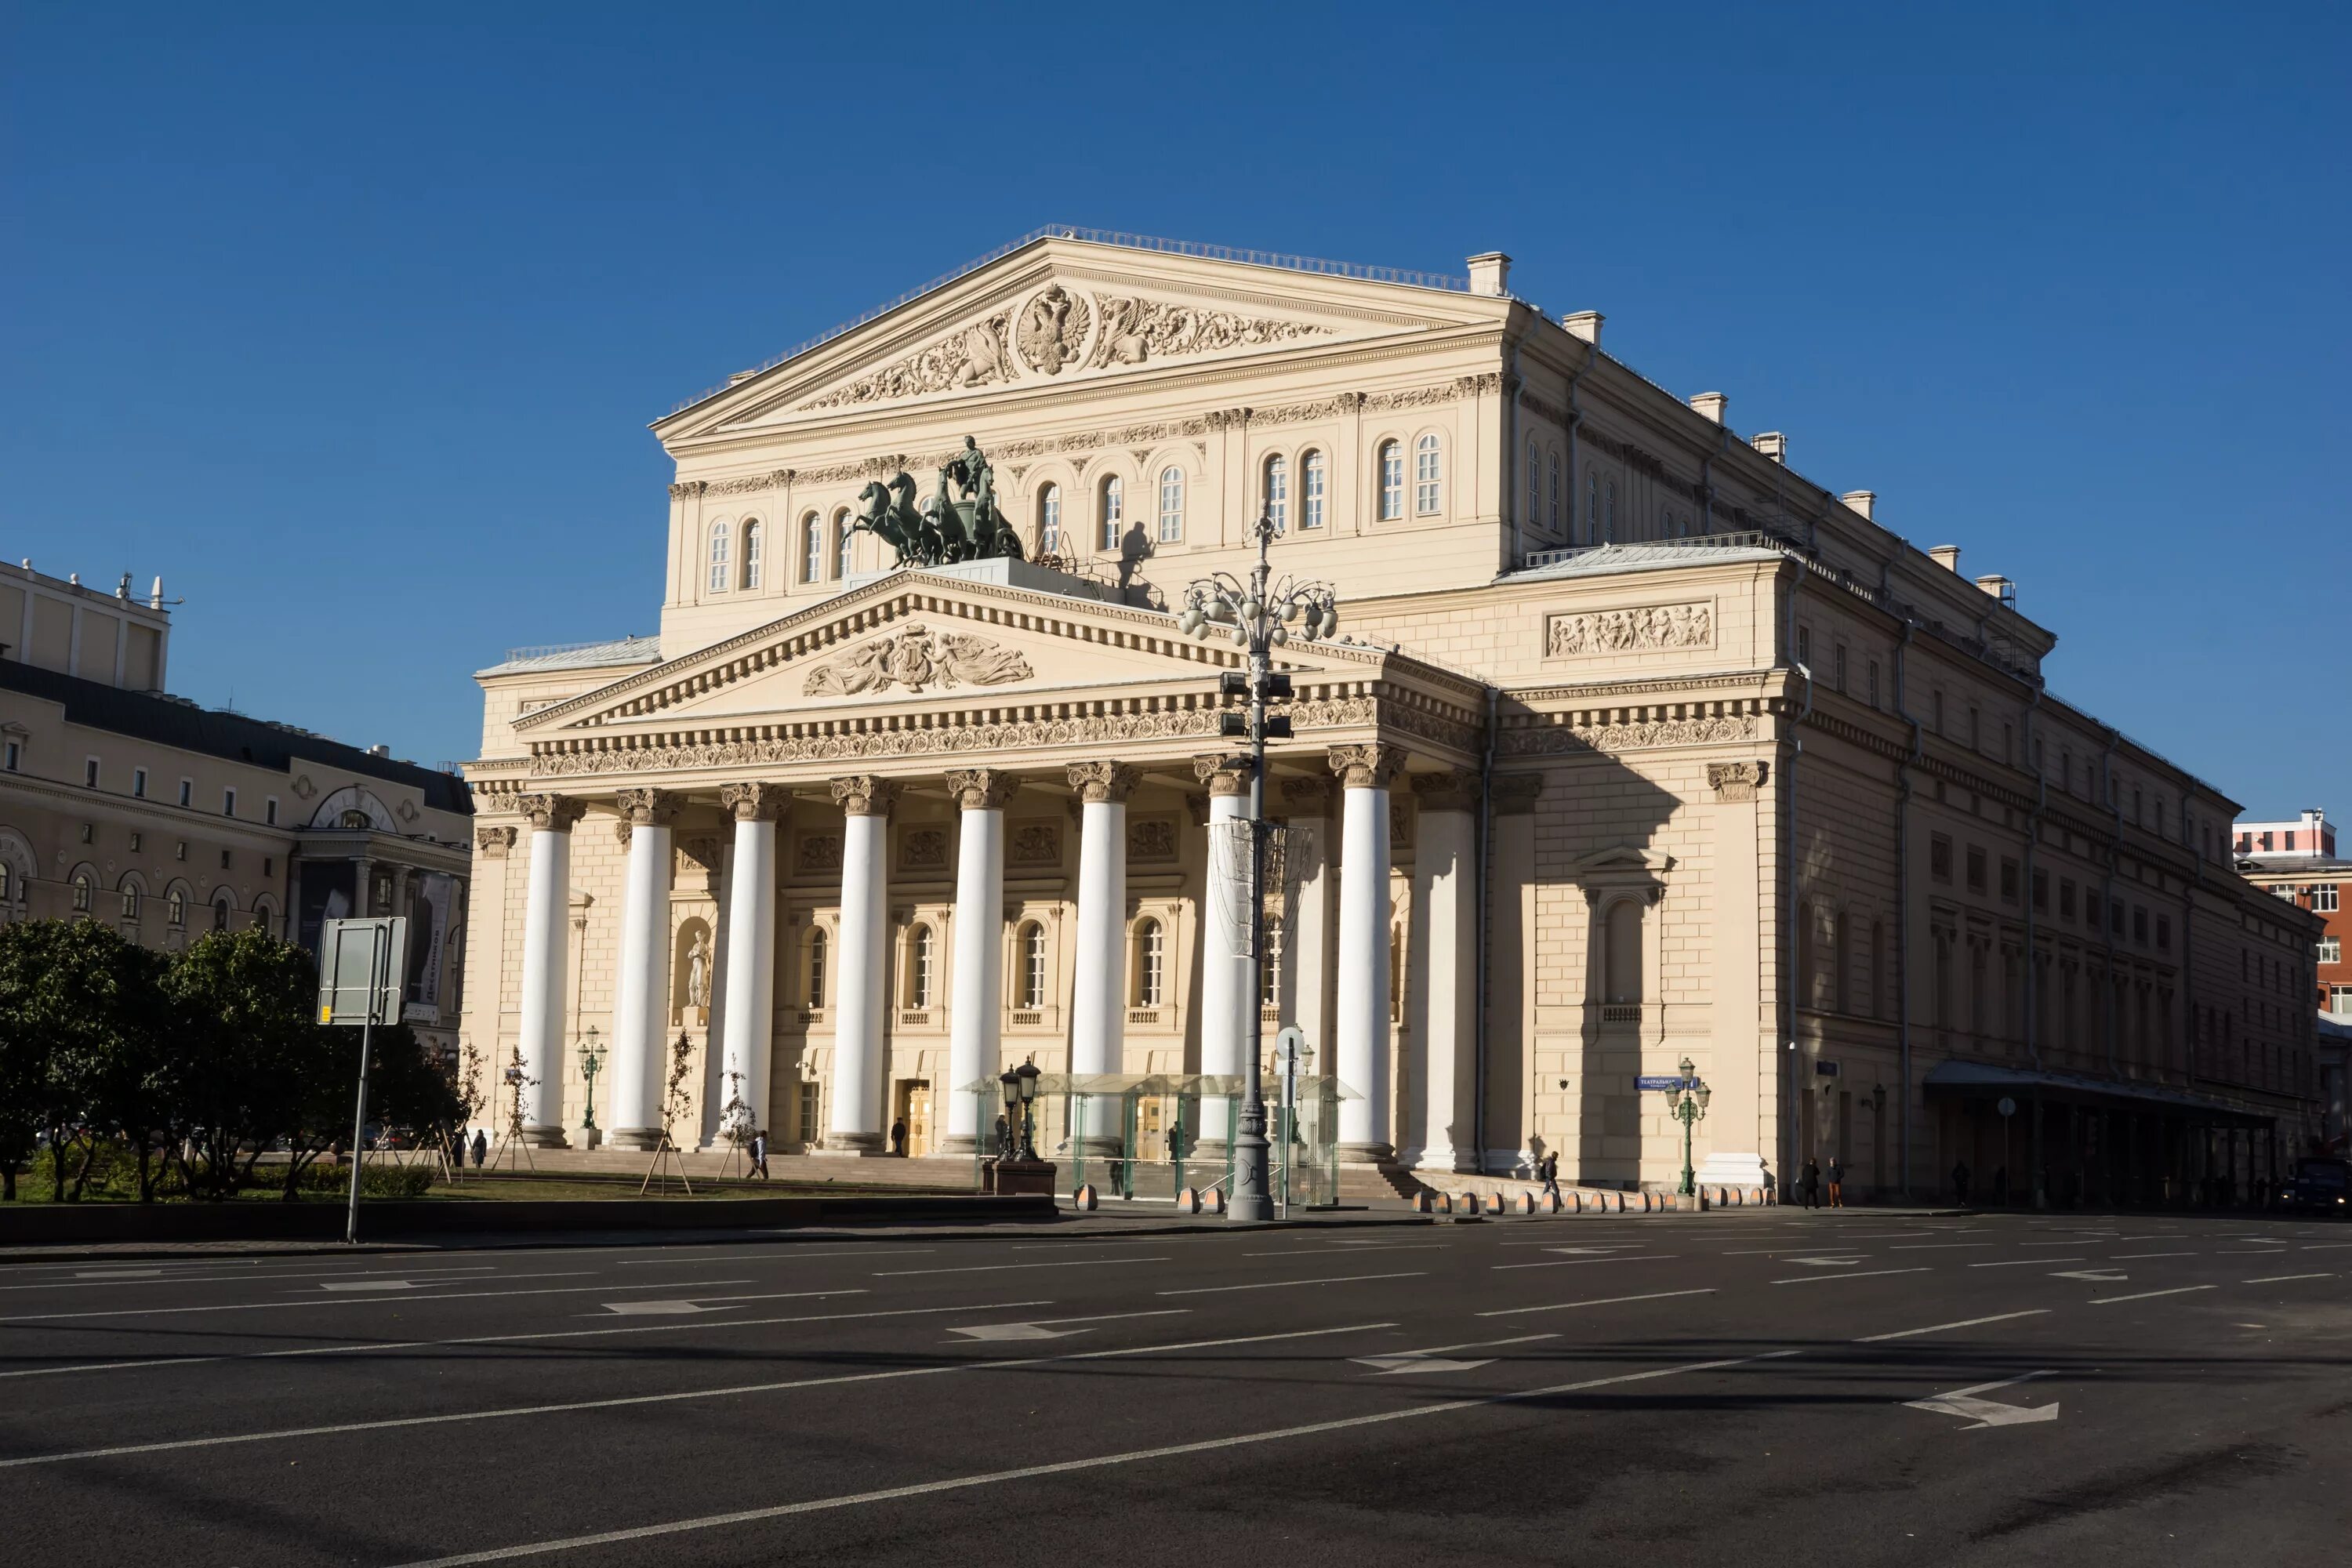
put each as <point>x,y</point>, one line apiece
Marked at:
<point>859,1003</point>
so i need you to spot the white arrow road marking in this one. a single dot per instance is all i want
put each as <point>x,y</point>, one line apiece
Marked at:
<point>1987,1412</point>
<point>2097,1276</point>
<point>1042,1329</point>
<point>1434,1359</point>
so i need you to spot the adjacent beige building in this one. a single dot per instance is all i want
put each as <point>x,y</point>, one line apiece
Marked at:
<point>1633,746</point>
<point>123,804</point>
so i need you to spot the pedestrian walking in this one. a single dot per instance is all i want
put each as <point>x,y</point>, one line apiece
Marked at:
<point>1003,1137</point>
<point>1809,1183</point>
<point>1960,1182</point>
<point>1548,1169</point>
<point>1837,1182</point>
<point>898,1137</point>
<point>481,1147</point>
<point>760,1152</point>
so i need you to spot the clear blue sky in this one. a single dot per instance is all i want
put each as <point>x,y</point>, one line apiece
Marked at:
<point>349,320</point>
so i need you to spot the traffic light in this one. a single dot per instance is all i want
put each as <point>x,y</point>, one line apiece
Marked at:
<point>1235,684</point>
<point>1236,725</point>
<point>1277,687</point>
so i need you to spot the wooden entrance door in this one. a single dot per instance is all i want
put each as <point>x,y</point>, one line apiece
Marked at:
<point>919,1118</point>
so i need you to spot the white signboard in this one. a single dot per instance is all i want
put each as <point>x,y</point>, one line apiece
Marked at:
<point>360,968</point>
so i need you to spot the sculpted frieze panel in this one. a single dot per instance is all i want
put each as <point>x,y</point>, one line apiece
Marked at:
<point>1135,331</point>
<point>915,658</point>
<point>886,744</point>
<point>818,852</point>
<point>971,356</point>
<point>1036,844</point>
<point>1151,840</point>
<point>1640,629</point>
<point>923,849</point>
<point>1554,739</point>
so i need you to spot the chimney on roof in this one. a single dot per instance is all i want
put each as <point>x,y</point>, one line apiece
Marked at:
<point>1772,444</point>
<point>2001,588</point>
<point>379,751</point>
<point>1585,324</point>
<point>1861,502</point>
<point>155,594</point>
<point>1490,274</point>
<point>1710,405</point>
<point>1947,556</point>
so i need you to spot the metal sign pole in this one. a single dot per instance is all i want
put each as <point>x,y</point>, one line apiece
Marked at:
<point>359,1117</point>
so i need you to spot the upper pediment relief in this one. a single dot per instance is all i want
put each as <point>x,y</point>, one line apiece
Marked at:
<point>1065,332</point>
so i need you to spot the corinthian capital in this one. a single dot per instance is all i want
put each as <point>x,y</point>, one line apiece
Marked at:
<point>755,802</point>
<point>865,794</point>
<point>494,842</point>
<point>981,789</point>
<point>1370,766</point>
<point>1222,780</point>
<point>1453,790</point>
<point>551,813</point>
<point>650,807</point>
<point>1099,782</point>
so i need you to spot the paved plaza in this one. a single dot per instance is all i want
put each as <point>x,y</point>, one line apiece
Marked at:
<point>1765,1387</point>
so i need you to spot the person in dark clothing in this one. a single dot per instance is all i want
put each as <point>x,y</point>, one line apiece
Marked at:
<point>1004,1138</point>
<point>1837,1182</point>
<point>760,1152</point>
<point>1960,1182</point>
<point>898,1137</point>
<point>1808,1183</point>
<point>481,1147</point>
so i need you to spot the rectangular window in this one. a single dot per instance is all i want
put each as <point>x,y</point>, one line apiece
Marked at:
<point>1311,495</point>
<point>90,773</point>
<point>224,859</point>
<point>2065,898</point>
<point>2324,896</point>
<point>2009,874</point>
<point>134,844</point>
<point>1171,506</point>
<point>1976,869</point>
<point>1939,858</point>
<point>1805,647</point>
<point>2042,889</point>
<point>1837,667</point>
<point>269,811</point>
<point>1425,479</point>
<point>181,853</point>
<point>1391,482</point>
<point>2115,916</point>
<point>2164,933</point>
<point>2339,1001</point>
<point>228,803</point>
<point>187,791</point>
<point>15,754</point>
<point>1873,683</point>
<point>2140,925</point>
<point>138,784</point>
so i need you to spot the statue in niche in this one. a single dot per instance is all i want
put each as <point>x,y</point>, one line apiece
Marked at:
<point>698,971</point>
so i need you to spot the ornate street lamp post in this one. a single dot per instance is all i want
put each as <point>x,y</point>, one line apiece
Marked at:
<point>1258,616</point>
<point>1020,1105</point>
<point>592,1062</point>
<point>1687,1103</point>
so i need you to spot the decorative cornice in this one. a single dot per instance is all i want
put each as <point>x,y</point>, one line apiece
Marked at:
<point>755,802</point>
<point>1551,740</point>
<point>1099,782</point>
<point>981,789</point>
<point>864,794</point>
<point>1372,766</point>
<point>551,813</point>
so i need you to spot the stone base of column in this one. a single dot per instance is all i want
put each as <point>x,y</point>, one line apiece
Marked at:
<point>1457,1160</point>
<point>1208,1151</point>
<point>1101,1146</point>
<point>1367,1155</point>
<point>957,1146</point>
<point>1731,1171</point>
<point>545,1137</point>
<point>853,1146</point>
<point>645,1139</point>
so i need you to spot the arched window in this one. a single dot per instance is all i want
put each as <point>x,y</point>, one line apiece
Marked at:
<point>84,889</point>
<point>1428,477</point>
<point>1277,492</point>
<point>1032,949</point>
<point>175,908</point>
<point>1049,521</point>
<point>752,539</point>
<point>920,955</point>
<point>812,548</point>
<point>1551,519</point>
<point>129,900</point>
<point>220,912</point>
<point>1172,505</point>
<point>843,537</point>
<point>816,968</point>
<point>1391,481</point>
<point>1535,483</point>
<point>1312,488</point>
<point>720,576</point>
<point>1623,970</point>
<point>1150,963</point>
<point>1112,509</point>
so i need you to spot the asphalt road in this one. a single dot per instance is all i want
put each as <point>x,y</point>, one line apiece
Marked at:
<point>1728,1388</point>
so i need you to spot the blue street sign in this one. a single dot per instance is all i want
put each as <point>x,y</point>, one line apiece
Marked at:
<point>1656,1080</point>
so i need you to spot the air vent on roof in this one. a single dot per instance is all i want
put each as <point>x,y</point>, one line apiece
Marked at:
<point>1772,444</point>
<point>1711,404</point>
<point>1585,324</point>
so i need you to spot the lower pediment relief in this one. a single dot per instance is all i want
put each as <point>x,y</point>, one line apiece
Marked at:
<point>1643,629</point>
<point>915,659</point>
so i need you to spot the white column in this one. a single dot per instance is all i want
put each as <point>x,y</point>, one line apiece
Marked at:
<point>640,978</point>
<point>861,990</point>
<point>1307,939</point>
<point>1445,1004</point>
<point>976,1010</point>
<point>1225,980</point>
<point>1511,1080</point>
<point>1098,1003</point>
<point>747,1024</point>
<point>549,894</point>
<point>1363,998</point>
<point>1745,1057</point>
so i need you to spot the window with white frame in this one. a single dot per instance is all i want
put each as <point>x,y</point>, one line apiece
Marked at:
<point>187,791</point>
<point>130,890</point>
<point>2323,897</point>
<point>1150,963</point>
<point>720,576</point>
<point>228,803</point>
<point>1391,481</point>
<point>920,958</point>
<point>1552,519</point>
<point>138,784</point>
<point>845,539</point>
<point>1428,476</point>
<point>175,907</point>
<point>1032,966</point>
<point>1172,505</point>
<point>1111,509</point>
<point>816,968</point>
<point>1313,487</point>
<point>12,755</point>
<point>90,773</point>
<point>752,535</point>
<point>1276,504</point>
<point>812,548</point>
<point>1049,521</point>
<point>2331,949</point>
<point>1535,483</point>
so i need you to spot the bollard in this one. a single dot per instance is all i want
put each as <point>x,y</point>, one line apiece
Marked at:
<point>1526,1203</point>
<point>1552,1203</point>
<point>1085,1197</point>
<point>1421,1204</point>
<point>1469,1203</point>
<point>1188,1201</point>
<point>1213,1201</point>
<point>1495,1203</point>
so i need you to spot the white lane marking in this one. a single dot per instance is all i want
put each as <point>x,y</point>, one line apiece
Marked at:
<point>1865,1274</point>
<point>785,1254</point>
<point>98,1282</point>
<point>1282,1284</point>
<point>1827,1262</point>
<point>2145,1295</point>
<point>1048,1329</point>
<point>2082,1240</point>
<point>2028,1262</point>
<point>1596,1301</point>
<point>2324,1246</point>
<point>1407,1363</point>
<point>2251,1252</point>
<point>1319,1252</point>
<point>1066,1467</point>
<point>2128,1257</point>
<point>104,1274</point>
<point>1566,1262</point>
<point>354,1301</point>
<point>1937,1246</point>
<point>1962,1403</point>
<point>1939,1328</point>
<point>993,1268</point>
<point>2096,1275</point>
<point>637,1399</point>
<point>658,1308</point>
<point>2282,1279</point>
<point>379,1284</point>
<point>1554,1247</point>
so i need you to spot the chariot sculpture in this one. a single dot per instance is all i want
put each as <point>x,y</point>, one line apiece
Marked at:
<point>958,522</point>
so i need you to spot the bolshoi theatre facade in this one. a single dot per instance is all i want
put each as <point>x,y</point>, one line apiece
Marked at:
<point>1631,746</point>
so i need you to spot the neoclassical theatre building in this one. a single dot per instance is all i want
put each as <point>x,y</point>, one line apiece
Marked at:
<point>1632,746</point>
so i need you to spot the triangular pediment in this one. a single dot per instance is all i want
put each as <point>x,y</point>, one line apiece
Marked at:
<point>1059,313</point>
<point>914,641</point>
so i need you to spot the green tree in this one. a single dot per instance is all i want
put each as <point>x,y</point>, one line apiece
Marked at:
<point>81,1052</point>
<point>260,1068</point>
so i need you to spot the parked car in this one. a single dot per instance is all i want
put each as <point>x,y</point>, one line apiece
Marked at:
<point>2318,1186</point>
